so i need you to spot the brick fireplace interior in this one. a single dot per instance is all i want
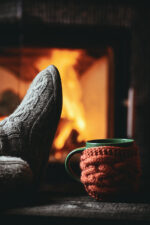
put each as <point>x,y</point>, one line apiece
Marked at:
<point>101,50</point>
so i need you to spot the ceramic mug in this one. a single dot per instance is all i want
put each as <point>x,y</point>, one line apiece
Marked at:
<point>108,166</point>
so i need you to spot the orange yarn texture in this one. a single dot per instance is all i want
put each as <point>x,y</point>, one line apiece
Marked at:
<point>109,170</point>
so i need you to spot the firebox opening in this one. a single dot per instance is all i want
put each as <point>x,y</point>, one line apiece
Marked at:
<point>85,75</point>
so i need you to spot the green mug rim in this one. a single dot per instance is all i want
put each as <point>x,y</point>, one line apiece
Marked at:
<point>109,142</point>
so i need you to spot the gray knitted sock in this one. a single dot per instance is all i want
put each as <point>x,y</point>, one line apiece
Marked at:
<point>28,132</point>
<point>15,174</point>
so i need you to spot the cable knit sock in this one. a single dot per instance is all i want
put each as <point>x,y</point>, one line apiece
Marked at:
<point>28,132</point>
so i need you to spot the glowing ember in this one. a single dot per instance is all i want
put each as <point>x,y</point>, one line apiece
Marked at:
<point>58,155</point>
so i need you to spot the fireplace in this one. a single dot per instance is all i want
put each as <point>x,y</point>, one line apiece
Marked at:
<point>89,81</point>
<point>85,76</point>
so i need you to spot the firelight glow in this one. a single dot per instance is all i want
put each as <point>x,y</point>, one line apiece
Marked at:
<point>72,106</point>
<point>76,91</point>
<point>2,118</point>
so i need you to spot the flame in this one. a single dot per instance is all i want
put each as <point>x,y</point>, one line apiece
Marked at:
<point>72,93</point>
<point>84,94</point>
<point>84,97</point>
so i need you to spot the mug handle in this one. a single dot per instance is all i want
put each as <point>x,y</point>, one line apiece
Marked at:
<point>67,163</point>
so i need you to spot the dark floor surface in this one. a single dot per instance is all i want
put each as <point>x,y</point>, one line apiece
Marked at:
<point>63,201</point>
<point>47,207</point>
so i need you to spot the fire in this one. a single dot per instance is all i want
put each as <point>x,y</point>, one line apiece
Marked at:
<point>84,74</point>
<point>72,93</point>
<point>84,96</point>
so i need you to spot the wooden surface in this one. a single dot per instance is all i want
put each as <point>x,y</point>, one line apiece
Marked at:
<point>82,207</point>
<point>49,208</point>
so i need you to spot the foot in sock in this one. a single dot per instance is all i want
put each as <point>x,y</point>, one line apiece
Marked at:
<point>28,132</point>
<point>15,175</point>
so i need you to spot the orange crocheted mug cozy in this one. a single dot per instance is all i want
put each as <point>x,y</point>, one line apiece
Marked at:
<point>109,170</point>
<point>109,167</point>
